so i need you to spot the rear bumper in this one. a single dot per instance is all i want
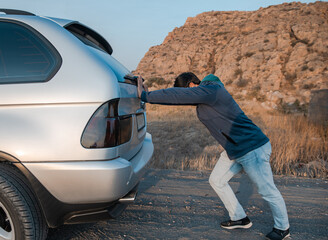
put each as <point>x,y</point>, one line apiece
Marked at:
<point>112,211</point>
<point>101,190</point>
<point>92,181</point>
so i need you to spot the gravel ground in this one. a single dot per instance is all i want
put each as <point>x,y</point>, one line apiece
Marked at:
<point>181,205</point>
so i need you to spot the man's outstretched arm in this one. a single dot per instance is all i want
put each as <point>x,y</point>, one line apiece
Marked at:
<point>178,95</point>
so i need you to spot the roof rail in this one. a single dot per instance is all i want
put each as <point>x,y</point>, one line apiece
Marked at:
<point>15,12</point>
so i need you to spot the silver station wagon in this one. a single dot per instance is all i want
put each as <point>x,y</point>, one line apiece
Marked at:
<point>73,137</point>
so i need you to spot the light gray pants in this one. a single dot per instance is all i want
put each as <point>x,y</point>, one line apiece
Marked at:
<point>257,166</point>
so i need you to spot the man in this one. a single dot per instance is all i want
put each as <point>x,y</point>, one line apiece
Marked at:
<point>246,147</point>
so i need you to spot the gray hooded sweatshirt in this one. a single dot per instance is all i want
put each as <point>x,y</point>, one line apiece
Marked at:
<point>218,111</point>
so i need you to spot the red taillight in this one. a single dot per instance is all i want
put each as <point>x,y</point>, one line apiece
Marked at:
<point>106,128</point>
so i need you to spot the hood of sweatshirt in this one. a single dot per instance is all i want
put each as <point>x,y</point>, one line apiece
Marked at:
<point>210,78</point>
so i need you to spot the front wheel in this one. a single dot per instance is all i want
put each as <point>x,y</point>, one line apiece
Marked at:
<point>20,213</point>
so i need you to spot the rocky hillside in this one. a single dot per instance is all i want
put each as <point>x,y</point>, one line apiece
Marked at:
<point>274,56</point>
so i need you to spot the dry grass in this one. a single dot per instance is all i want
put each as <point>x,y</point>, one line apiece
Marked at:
<point>299,148</point>
<point>182,141</point>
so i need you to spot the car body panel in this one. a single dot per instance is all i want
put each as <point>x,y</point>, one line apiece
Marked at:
<point>92,181</point>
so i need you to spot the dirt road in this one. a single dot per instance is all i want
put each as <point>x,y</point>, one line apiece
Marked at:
<point>181,205</point>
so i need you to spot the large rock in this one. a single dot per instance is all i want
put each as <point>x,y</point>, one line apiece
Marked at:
<point>318,107</point>
<point>279,48</point>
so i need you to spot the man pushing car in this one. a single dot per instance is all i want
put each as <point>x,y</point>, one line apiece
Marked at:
<point>246,146</point>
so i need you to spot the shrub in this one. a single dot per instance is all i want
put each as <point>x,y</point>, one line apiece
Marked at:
<point>238,72</point>
<point>308,86</point>
<point>257,87</point>
<point>228,82</point>
<point>324,54</point>
<point>261,98</point>
<point>290,77</point>
<point>249,54</point>
<point>221,33</point>
<point>156,81</point>
<point>255,93</point>
<point>296,107</point>
<point>241,83</point>
<point>270,31</point>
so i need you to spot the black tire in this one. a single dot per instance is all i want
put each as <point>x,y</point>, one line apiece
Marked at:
<point>20,212</point>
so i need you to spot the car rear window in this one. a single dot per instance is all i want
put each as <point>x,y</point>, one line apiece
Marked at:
<point>25,56</point>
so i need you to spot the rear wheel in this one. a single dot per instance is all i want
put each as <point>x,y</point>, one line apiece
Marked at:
<point>7,230</point>
<point>20,213</point>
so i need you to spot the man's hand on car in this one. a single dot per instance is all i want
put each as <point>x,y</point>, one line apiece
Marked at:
<point>141,86</point>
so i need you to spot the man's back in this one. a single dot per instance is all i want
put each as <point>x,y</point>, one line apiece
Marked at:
<point>229,125</point>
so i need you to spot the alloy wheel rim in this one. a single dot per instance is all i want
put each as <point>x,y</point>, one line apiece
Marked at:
<point>7,231</point>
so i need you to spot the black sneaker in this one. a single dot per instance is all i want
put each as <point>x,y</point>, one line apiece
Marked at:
<point>242,223</point>
<point>277,234</point>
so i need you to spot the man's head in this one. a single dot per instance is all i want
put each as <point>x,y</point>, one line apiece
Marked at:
<point>186,79</point>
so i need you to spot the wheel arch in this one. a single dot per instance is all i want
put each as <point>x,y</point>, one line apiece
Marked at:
<point>6,157</point>
<point>23,202</point>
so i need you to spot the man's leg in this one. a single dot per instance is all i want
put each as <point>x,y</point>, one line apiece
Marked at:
<point>223,171</point>
<point>257,166</point>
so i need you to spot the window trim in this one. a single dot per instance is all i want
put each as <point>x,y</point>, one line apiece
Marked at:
<point>47,44</point>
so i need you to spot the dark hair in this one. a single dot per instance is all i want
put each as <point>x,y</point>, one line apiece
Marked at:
<point>185,78</point>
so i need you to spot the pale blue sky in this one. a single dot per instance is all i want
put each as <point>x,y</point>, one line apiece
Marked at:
<point>133,26</point>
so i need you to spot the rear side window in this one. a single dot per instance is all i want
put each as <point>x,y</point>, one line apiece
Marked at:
<point>25,56</point>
